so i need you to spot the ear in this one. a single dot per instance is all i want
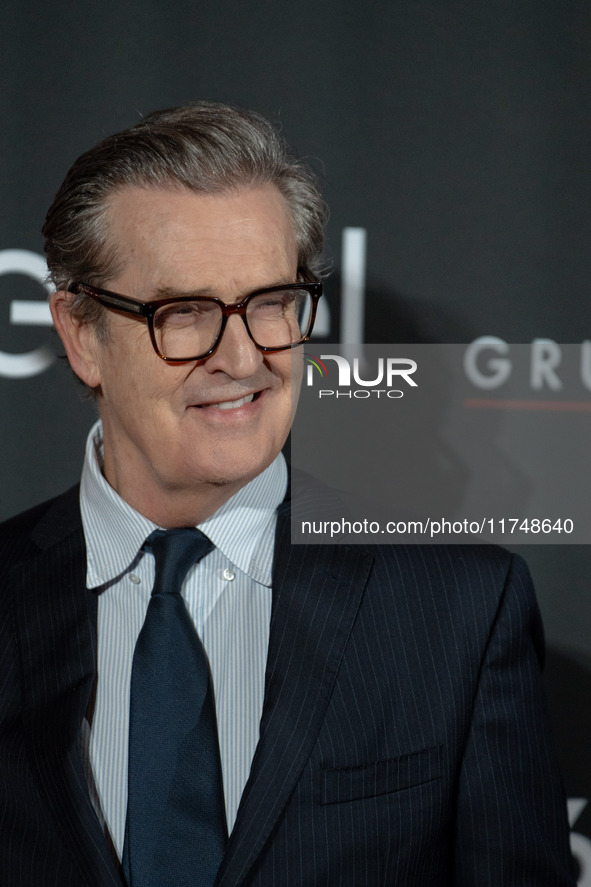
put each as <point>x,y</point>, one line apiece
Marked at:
<point>78,338</point>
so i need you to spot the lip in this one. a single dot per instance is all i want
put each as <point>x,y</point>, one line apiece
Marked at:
<point>230,406</point>
<point>243,405</point>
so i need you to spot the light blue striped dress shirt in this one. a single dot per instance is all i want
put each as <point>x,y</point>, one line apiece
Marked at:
<point>228,595</point>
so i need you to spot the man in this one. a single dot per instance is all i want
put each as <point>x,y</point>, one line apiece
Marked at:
<point>379,712</point>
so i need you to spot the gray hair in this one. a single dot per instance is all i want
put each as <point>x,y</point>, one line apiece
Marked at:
<point>206,147</point>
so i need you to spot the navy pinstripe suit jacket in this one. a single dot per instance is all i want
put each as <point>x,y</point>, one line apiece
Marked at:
<point>403,739</point>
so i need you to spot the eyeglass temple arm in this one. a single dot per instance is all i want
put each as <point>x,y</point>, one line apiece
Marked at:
<point>130,306</point>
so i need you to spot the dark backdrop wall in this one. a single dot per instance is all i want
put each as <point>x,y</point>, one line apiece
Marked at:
<point>457,134</point>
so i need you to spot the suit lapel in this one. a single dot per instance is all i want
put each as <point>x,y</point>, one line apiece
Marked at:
<point>316,595</point>
<point>56,622</point>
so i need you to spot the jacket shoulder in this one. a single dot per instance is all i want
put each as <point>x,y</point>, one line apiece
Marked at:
<point>467,584</point>
<point>489,563</point>
<point>40,527</point>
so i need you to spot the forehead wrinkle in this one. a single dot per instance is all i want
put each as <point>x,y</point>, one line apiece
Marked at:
<point>223,245</point>
<point>169,292</point>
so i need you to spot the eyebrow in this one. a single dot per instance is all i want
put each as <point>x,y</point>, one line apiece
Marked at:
<point>168,292</point>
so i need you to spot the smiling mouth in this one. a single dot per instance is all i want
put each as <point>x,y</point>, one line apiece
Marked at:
<point>231,404</point>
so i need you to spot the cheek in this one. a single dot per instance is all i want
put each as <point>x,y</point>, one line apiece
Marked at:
<point>121,383</point>
<point>287,366</point>
<point>134,383</point>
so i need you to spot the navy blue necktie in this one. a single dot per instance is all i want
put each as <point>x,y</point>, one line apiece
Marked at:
<point>175,833</point>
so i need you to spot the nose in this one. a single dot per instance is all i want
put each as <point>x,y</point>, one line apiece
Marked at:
<point>236,355</point>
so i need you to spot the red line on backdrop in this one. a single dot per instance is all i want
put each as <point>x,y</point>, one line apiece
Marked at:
<point>574,406</point>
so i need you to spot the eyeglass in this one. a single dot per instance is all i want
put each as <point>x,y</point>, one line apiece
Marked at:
<point>185,328</point>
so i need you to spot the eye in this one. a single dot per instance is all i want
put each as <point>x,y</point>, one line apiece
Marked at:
<point>186,313</point>
<point>274,304</point>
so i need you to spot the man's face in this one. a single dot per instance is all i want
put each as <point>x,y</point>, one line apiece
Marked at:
<point>193,432</point>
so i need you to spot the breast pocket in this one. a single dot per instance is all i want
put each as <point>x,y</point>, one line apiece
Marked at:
<point>340,784</point>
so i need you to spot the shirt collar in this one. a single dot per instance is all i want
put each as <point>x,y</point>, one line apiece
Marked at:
<point>243,529</point>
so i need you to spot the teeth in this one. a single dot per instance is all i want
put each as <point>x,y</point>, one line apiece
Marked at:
<point>233,404</point>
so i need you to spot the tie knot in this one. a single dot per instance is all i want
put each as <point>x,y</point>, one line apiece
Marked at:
<point>175,552</point>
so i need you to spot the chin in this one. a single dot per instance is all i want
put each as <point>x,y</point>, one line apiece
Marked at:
<point>222,481</point>
<point>238,476</point>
